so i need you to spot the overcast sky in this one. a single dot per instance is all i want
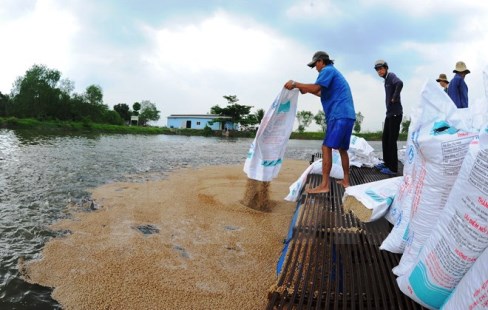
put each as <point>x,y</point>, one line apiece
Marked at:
<point>185,55</point>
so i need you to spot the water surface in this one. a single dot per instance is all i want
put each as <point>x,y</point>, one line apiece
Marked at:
<point>41,174</point>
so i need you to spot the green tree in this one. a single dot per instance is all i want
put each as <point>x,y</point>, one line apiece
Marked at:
<point>304,120</point>
<point>249,120</point>
<point>67,86</point>
<point>4,101</point>
<point>93,107</point>
<point>358,122</point>
<point>216,109</point>
<point>37,94</point>
<point>406,125</point>
<point>207,131</point>
<point>231,99</point>
<point>123,110</point>
<point>320,120</point>
<point>136,107</point>
<point>94,95</point>
<point>238,113</point>
<point>112,117</point>
<point>149,112</point>
<point>259,115</point>
<point>79,109</point>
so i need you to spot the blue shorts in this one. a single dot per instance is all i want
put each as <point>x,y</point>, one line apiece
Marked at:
<point>338,135</point>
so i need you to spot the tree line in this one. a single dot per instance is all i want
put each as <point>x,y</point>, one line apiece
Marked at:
<point>42,94</point>
<point>241,114</point>
<point>305,118</point>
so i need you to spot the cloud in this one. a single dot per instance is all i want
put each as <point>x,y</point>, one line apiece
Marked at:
<point>368,95</point>
<point>43,35</point>
<point>198,63</point>
<point>306,9</point>
<point>11,9</point>
<point>221,43</point>
<point>426,8</point>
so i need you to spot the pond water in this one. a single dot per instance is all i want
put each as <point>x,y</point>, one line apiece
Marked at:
<point>41,174</point>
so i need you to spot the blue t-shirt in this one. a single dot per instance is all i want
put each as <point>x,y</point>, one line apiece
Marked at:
<point>458,91</point>
<point>336,96</point>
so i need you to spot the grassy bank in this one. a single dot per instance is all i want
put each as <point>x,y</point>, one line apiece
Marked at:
<point>68,127</point>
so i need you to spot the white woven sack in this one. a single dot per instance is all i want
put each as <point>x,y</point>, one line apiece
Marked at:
<point>472,290</point>
<point>266,153</point>
<point>376,197</point>
<point>442,140</point>
<point>458,238</point>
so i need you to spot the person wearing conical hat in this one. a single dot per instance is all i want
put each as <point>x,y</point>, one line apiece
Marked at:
<point>443,81</point>
<point>458,90</point>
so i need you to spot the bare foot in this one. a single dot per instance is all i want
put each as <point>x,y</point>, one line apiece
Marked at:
<point>318,190</point>
<point>344,184</point>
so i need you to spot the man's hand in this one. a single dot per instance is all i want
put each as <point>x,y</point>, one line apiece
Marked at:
<point>290,84</point>
<point>303,88</point>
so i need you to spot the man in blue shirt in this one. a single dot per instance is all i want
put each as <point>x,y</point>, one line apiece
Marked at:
<point>336,97</point>
<point>458,90</point>
<point>393,119</point>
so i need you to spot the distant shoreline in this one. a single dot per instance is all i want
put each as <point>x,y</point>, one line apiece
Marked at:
<point>63,127</point>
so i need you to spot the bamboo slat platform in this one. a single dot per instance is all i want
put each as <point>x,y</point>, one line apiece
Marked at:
<point>331,260</point>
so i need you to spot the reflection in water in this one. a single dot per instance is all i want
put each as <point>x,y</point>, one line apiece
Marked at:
<point>41,174</point>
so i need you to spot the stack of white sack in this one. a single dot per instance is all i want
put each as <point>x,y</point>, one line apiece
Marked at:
<point>370,201</point>
<point>459,237</point>
<point>472,290</point>
<point>399,211</point>
<point>460,230</point>
<point>360,154</point>
<point>438,141</point>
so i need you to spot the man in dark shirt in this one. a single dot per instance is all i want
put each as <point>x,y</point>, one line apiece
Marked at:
<point>393,119</point>
<point>458,90</point>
